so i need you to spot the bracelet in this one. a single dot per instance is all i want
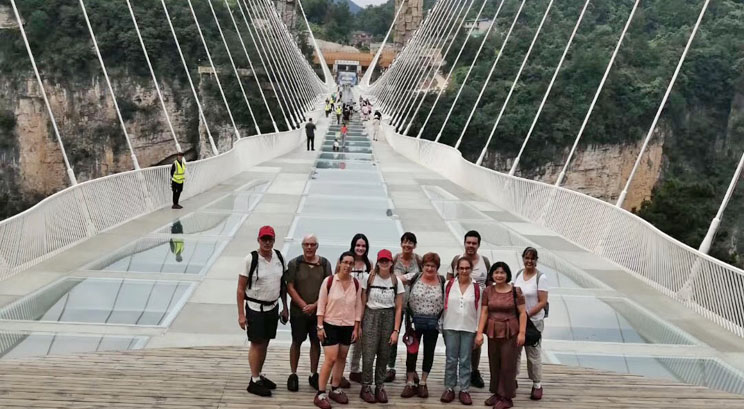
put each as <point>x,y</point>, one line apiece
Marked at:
<point>395,330</point>
<point>320,328</point>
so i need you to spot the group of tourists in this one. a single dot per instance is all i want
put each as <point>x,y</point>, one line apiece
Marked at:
<point>359,309</point>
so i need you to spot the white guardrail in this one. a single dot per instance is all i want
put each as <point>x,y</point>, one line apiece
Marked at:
<point>708,286</point>
<point>80,212</point>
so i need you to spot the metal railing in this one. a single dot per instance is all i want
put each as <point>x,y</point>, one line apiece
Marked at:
<point>708,286</point>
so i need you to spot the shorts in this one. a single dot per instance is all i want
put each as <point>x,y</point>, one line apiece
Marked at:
<point>337,335</point>
<point>261,324</point>
<point>304,325</point>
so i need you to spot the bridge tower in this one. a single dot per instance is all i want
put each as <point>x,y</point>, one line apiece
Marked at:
<point>409,20</point>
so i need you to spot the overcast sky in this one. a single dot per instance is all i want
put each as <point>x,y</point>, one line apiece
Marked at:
<point>365,3</point>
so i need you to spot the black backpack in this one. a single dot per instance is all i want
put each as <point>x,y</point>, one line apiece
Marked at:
<point>254,266</point>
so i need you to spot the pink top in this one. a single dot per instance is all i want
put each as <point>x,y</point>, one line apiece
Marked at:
<point>341,307</point>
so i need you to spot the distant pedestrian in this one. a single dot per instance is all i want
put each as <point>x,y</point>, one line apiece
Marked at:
<point>178,177</point>
<point>344,132</point>
<point>327,107</point>
<point>339,111</point>
<point>310,132</point>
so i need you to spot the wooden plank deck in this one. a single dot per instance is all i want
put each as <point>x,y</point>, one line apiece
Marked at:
<point>216,377</point>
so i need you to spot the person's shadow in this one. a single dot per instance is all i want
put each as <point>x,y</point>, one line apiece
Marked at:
<point>177,243</point>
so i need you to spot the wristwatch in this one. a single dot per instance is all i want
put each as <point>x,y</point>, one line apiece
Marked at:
<point>320,328</point>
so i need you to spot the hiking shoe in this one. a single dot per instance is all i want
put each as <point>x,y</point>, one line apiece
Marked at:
<point>409,391</point>
<point>465,398</point>
<point>448,396</point>
<point>423,391</point>
<point>339,396</point>
<point>345,384</point>
<point>503,404</point>
<point>476,379</point>
<point>293,383</point>
<point>493,400</point>
<point>267,382</point>
<point>366,394</point>
<point>380,394</point>
<point>390,375</point>
<point>321,401</point>
<point>313,380</point>
<point>536,393</point>
<point>258,388</point>
<point>355,377</point>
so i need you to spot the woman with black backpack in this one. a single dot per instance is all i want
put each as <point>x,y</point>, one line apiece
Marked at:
<point>504,321</point>
<point>383,301</point>
<point>425,305</point>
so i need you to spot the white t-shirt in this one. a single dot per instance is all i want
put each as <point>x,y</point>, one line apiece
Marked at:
<point>360,275</point>
<point>383,292</point>
<point>461,313</point>
<point>267,281</point>
<point>479,273</point>
<point>530,289</point>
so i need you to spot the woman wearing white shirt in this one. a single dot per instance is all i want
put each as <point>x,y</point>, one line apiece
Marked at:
<point>460,321</point>
<point>534,285</point>
<point>383,300</point>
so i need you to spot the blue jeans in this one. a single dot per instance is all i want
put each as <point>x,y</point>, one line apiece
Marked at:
<point>459,351</point>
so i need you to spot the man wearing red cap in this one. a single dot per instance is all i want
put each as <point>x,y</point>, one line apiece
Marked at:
<point>260,287</point>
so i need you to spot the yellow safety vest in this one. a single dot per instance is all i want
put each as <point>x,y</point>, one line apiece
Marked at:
<point>176,246</point>
<point>338,110</point>
<point>180,174</point>
<point>328,107</point>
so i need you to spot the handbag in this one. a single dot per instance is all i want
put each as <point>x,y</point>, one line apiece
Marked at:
<point>532,335</point>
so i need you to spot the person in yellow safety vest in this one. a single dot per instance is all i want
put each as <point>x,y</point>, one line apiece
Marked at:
<point>178,176</point>
<point>176,243</point>
<point>327,108</point>
<point>339,111</point>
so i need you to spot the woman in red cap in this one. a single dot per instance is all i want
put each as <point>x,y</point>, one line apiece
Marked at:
<point>383,300</point>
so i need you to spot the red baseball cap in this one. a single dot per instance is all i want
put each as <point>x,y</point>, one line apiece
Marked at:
<point>266,231</point>
<point>384,254</point>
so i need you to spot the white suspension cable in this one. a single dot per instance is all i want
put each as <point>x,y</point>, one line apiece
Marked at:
<point>235,69</point>
<point>250,64</point>
<point>596,94</point>
<point>263,65</point>
<point>467,75</point>
<point>191,81</point>
<point>214,69</point>
<point>277,77</point>
<point>412,79</point>
<point>70,173</point>
<point>329,81</point>
<point>108,84</point>
<point>430,69</point>
<point>713,228</point>
<point>447,79</point>
<point>368,74</point>
<point>550,87</point>
<point>514,84</point>
<point>490,73</point>
<point>663,103</point>
<point>154,78</point>
<point>437,69</point>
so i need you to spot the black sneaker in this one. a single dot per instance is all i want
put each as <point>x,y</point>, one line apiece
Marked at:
<point>271,385</point>
<point>293,383</point>
<point>313,380</point>
<point>258,388</point>
<point>476,379</point>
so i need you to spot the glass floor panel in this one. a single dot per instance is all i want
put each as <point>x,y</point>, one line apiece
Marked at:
<point>177,255</point>
<point>14,345</point>
<point>333,206</point>
<point>438,193</point>
<point>710,373</point>
<point>102,301</point>
<point>206,224</point>
<point>345,175</point>
<point>457,211</point>
<point>366,143</point>
<point>340,164</point>
<point>349,149</point>
<point>493,235</point>
<point>243,202</point>
<point>337,230</point>
<point>258,187</point>
<point>607,319</point>
<point>345,156</point>
<point>353,190</point>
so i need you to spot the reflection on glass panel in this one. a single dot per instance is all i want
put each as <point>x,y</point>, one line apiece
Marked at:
<point>355,190</point>
<point>15,345</point>
<point>334,206</point>
<point>493,235</point>
<point>457,211</point>
<point>607,319</point>
<point>340,164</point>
<point>243,202</point>
<point>438,193</point>
<point>703,372</point>
<point>259,187</point>
<point>348,148</point>
<point>175,255</point>
<point>359,143</point>
<point>206,224</point>
<point>341,231</point>
<point>345,156</point>
<point>333,175</point>
<point>101,301</point>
